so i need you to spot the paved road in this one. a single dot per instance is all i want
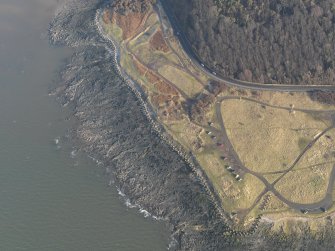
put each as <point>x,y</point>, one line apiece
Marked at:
<point>233,82</point>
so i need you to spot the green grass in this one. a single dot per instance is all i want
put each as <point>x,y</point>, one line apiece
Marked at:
<point>113,31</point>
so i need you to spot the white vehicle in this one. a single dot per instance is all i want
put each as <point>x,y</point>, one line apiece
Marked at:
<point>214,73</point>
<point>202,65</point>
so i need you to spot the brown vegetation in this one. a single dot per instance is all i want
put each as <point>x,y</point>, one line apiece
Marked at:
<point>128,23</point>
<point>165,88</point>
<point>158,43</point>
<point>205,101</point>
<point>143,70</point>
<point>165,97</point>
<point>107,16</point>
<point>152,78</point>
<point>201,107</point>
<point>168,106</point>
<point>323,97</point>
<point>129,15</point>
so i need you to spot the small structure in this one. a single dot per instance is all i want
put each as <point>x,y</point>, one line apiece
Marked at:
<point>304,211</point>
<point>292,109</point>
<point>323,209</point>
<point>228,167</point>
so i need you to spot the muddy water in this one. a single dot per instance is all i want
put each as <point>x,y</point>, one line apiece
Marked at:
<point>51,199</point>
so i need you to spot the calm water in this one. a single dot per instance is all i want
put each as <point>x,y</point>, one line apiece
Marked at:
<point>50,200</point>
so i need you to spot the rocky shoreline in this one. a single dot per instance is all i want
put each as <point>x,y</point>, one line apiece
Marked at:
<point>113,127</point>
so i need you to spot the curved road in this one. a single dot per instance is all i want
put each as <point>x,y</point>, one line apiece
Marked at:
<point>230,81</point>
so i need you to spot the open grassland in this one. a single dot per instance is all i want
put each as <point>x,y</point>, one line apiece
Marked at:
<point>268,139</point>
<point>298,100</point>
<point>311,174</point>
<point>114,31</point>
<point>235,195</point>
<point>309,186</point>
<point>186,133</point>
<point>322,152</point>
<point>183,80</point>
<point>275,205</point>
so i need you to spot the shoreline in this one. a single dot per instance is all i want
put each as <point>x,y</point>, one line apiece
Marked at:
<point>157,127</point>
<point>67,97</point>
<point>158,181</point>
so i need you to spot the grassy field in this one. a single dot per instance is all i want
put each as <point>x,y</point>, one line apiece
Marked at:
<point>311,174</point>
<point>275,205</point>
<point>181,79</point>
<point>267,139</point>
<point>323,152</point>
<point>309,185</point>
<point>185,133</point>
<point>298,100</point>
<point>235,195</point>
<point>114,31</point>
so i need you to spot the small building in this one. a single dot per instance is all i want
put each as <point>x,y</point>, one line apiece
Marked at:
<point>304,211</point>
